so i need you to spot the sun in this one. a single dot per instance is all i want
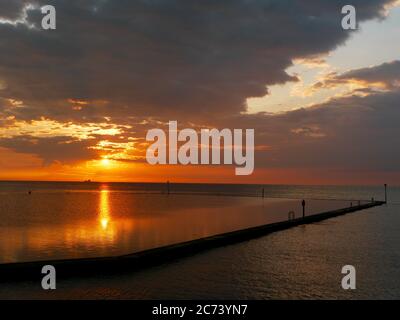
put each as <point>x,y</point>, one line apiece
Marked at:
<point>105,162</point>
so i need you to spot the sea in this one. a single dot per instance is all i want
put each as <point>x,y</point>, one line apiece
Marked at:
<point>68,220</point>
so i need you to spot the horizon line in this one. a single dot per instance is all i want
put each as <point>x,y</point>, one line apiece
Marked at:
<point>212,183</point>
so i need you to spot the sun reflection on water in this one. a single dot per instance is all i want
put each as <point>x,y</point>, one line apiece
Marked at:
<point>104,214</point>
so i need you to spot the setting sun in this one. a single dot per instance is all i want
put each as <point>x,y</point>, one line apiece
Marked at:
<point>105,162</point>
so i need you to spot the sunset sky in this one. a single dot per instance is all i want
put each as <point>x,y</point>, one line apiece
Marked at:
<point>76,102</point>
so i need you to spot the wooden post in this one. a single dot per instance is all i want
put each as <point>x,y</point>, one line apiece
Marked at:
<point>167,187</point>
<point>385,193</point>
<point>303,203</point>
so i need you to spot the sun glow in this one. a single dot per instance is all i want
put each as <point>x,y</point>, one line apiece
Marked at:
<point>106,162</point>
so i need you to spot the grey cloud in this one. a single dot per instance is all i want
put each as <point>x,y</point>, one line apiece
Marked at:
<point>165,57</point>
<point>195,61</point>
<point>351,133</point>
<point>387,74</point>
<point>56,149</point>
<point>11,9</point>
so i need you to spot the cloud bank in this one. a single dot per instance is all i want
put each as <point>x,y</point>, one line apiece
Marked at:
<point>137,64</point>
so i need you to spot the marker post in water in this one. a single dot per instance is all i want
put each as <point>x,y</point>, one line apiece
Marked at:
<point>385,193</point>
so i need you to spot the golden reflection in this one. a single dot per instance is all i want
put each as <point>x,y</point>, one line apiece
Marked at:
<point>104,208</point>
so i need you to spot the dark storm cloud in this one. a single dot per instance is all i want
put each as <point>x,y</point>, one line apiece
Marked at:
<point>166,57</point>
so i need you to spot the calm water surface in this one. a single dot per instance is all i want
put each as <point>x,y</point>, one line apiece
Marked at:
<point>303,262</point>
<point>95,220</point>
